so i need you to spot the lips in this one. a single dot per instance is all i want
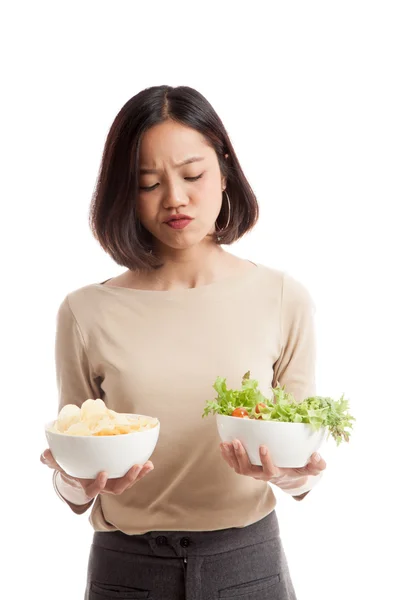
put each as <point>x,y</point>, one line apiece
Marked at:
<point>178,223</point>
<point>178,218</point>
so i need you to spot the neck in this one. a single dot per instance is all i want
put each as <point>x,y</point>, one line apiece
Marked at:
<point>190,268</point>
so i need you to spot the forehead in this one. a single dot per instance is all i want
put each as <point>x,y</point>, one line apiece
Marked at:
<point>173,143</point>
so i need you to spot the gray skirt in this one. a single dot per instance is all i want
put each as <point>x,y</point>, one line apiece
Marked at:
<point>246,563</point>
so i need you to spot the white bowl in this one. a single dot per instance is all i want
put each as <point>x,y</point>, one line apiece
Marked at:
<point>85,456</point>
<point>290,444</point>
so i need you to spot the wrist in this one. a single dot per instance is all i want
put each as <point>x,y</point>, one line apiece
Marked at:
<point>70,490</point>
<point>298,486</point>
<point>308,485</point>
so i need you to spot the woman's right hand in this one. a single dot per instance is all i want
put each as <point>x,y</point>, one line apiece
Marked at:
<point>100,485</point>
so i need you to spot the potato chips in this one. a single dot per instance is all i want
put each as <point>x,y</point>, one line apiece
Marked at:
<point>94,418</point>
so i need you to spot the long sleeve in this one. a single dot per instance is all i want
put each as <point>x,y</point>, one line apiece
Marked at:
<point>75,379</point>
<point>295,367</point>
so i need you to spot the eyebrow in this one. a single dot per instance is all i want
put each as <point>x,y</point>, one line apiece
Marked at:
<point>176,166</point>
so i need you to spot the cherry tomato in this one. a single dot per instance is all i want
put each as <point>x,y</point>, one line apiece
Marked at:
<point>240,412</point>
<point>260,405</point>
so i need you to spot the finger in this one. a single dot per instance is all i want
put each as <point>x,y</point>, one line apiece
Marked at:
<point>118,485</point>
<point>95,487</point>
<point>316,464</point>
<point>134,474</point>
<point>229,456</point>
<point>47,459</point>
<point>245,466</point>
<point>268,466</point>
<point>129,479</point>
<point>226,451</point>
<point>236,456</point>
<point>146,469</point>
<point>314,467</point>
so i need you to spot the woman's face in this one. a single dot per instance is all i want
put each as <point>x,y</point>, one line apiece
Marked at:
<point>169,187</point>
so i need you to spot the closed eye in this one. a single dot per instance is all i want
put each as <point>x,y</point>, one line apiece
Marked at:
<point>153,187</point>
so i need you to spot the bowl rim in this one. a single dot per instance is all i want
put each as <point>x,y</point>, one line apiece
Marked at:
<point>69,436</point>
<point>239,419</point>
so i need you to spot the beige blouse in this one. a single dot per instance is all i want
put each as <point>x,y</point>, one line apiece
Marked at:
<point>158,353</point>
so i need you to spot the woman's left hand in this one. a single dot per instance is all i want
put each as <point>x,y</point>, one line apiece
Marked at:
<point>237,458</point>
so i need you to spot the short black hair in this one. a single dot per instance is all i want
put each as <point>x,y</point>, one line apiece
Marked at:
<point>114,221</point>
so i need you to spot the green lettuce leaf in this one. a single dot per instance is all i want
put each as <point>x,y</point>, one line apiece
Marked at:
<point>317,411</point>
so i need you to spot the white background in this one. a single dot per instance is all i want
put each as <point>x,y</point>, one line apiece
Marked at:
<point>309,93</point>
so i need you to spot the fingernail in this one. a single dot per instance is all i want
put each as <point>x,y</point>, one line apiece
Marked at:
<point>317,457</point>
<point>236,445</point>
<point>264,450</point>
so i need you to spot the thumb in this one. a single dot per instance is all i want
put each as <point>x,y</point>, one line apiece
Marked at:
<point>47,459</point>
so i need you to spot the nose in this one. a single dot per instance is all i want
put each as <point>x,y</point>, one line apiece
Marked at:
<point>174,197</point>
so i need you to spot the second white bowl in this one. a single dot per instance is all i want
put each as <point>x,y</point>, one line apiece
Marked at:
<point>290,444</point>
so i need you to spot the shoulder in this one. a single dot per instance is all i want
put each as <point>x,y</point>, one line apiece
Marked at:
<point>79,303</point>
<point>272,277</point>
<point>295,293</point>
<point>291,290</point>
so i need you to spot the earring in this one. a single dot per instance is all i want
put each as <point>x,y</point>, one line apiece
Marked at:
<point>217,229</point>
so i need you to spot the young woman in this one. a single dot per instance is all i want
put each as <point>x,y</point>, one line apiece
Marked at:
<point>198,521</point>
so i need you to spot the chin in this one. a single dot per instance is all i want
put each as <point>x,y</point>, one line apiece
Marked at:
<point>184,243</point>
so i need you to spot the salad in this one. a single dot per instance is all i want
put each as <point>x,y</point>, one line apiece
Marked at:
<point>250,403</point>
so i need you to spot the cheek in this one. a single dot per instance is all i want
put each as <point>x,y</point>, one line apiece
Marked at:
<point>209,193</point>
<point>146,209</point>
<point>211,200</point>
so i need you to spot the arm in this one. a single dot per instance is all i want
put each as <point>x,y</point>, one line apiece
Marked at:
<point>76,382</point>
<point>295,366</point>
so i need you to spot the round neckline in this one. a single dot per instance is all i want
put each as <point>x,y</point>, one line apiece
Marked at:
<point>182,291</point>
